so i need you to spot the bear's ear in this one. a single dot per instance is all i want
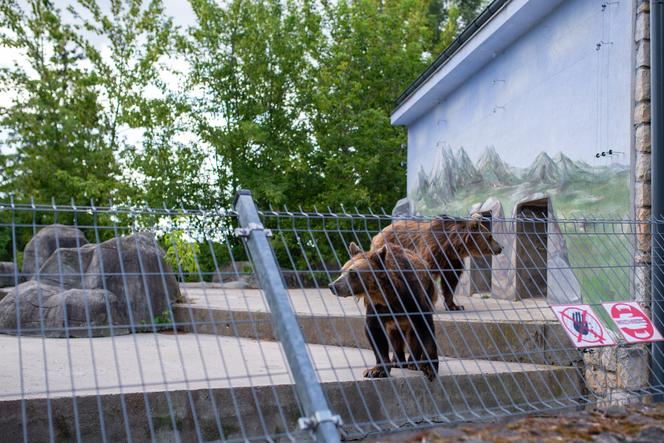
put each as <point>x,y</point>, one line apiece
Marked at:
<point>354,249</point>
<point>380,256</point>
<point>473,225</point>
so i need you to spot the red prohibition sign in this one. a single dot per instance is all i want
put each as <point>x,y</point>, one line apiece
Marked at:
<point>584,326</point>
<point>640,327</point>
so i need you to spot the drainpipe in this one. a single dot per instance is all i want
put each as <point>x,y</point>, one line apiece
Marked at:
<point>657,159</point>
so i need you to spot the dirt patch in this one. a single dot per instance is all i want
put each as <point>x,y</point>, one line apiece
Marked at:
<point>631,424</point>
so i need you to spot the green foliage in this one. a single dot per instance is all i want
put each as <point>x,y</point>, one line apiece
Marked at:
<point>290,99</point>
<point>163,318</point>
<point>181,254</point>
<point>54,142</point>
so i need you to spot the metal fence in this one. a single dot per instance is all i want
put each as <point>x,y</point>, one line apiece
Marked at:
<point>141,324</point>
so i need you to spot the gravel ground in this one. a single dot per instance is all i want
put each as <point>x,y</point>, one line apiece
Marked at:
<point>631,424</point>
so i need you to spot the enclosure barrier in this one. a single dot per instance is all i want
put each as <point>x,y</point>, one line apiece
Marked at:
<point>144,324</point>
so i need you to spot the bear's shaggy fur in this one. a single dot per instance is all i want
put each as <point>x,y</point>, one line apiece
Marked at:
<point>443,243</point>
<point>397,294</point>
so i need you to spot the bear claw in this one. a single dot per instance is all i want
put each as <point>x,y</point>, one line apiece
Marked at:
<point>376,372</point>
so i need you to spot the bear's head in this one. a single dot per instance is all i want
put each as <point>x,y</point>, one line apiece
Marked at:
<point>360,274</point>
<point>477,239</point>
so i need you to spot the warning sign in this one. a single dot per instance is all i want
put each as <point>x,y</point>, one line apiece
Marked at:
<point>633,323</point>
<point>582,326</point>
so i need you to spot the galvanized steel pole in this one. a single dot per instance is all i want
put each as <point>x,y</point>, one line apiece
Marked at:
<point>319,419</point>
<point>657,128</point>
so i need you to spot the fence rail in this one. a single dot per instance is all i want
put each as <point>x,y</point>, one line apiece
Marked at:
<point>147,324</point>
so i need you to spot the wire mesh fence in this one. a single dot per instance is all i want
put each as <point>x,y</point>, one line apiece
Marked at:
<point>147,324</point>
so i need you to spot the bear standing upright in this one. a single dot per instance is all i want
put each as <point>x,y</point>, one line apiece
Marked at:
<point>443,243</point>
<point>397,294</point>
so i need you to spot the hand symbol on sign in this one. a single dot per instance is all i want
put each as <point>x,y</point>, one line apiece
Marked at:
<point>580,325</point>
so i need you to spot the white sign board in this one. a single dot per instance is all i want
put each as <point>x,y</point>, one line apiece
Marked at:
<point>582,326</point>
<point>633,323</point>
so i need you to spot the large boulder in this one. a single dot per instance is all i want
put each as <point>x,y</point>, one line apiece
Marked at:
<point>8,274</point>
<point>45,242</point>
<point>403,208</point>
<point>51,311</point>
<point>131,267</point>
<point>67,267</point>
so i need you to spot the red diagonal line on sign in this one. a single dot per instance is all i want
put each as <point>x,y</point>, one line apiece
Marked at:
<point>600,338</point>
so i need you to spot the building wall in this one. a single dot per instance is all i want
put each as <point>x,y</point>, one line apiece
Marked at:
<point>562,88</point>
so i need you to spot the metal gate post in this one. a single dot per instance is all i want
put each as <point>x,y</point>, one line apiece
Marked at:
<point>657,183</point>
<point>319,419</point>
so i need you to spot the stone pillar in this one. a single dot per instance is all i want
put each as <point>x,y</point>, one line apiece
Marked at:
<point>610,371</point>
<point>641,166</point>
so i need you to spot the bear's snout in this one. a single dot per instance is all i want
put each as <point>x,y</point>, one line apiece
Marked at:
<point>496,248</point>
<point>340,288</point>
<point>332,288</point>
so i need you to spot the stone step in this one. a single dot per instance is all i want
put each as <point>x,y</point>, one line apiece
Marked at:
<point>205,387</point>
<point>487,329</point>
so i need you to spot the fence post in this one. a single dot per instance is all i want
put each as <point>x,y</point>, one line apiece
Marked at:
<point>319,419</point>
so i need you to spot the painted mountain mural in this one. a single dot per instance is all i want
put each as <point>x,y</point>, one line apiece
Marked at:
<point>455,183</point>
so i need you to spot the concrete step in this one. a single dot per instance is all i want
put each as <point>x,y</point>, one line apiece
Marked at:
<point>150,386</point>
<point>488,329</point>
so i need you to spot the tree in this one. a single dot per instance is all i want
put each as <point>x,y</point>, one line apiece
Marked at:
<point>375,50</point>
<point>249,60</point>
<point>132,46</point>
<point>54,130</point>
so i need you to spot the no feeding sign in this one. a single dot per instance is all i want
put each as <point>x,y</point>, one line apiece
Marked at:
<point>582,326</point>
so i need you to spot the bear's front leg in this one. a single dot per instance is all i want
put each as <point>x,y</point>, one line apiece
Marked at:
<point>379,343</point>
<point>449,302</point>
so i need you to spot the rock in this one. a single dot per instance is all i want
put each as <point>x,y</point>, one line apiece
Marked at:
<point>651,434</point>
<point>45,242</point>
<point>5,291</point>
<point>232,271</point>
<point>558,283</point>
<point>237,284</point>
<point>501,231</point>
<point>132,267</point>
<point>615,411</point>
<point>609,437</point>
<point>403,208</point>
<point>8,273</point>
<point>66,267</point>
<point>46,310</point>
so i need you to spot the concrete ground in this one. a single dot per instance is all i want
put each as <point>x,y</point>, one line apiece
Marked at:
<point>488,329</point>
<point>312,301</point>
<point>34,367</point>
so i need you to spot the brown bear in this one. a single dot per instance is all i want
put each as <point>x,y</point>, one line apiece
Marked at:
<point>397,294</point>
<point>443,243</point>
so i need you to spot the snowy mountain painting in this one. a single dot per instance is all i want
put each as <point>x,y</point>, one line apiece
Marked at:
<point>454,183</point>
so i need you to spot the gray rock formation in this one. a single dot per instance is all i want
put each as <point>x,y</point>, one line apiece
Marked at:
<point>404,207</point>
<point>132,267</point>
<point>124,279</point>
<point>51,312</point>
<point>45,242</point>
<point>542,253</point>
<point>500,230</point>
<point>8,273</point>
